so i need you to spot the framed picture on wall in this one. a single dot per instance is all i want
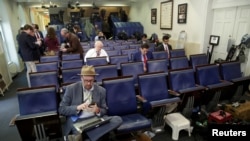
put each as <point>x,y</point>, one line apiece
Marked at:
<point>166,17</point>
<point>153,16</point>
<point>214,40</point>
<point>182,13</point>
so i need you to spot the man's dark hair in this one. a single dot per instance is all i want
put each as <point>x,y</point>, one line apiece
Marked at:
<point>165,37</point>
<point>144,35</point>
<point>145,45</point>
<point>27,26</point>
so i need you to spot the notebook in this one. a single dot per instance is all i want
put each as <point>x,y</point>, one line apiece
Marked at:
<point>90,123</point>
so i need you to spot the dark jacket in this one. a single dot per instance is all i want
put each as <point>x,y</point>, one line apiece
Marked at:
<point>161,47</point>
<point>138,56</point>
<point>28,48</point>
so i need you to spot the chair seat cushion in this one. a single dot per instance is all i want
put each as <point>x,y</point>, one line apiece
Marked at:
<point>219,85</point>
<point>164,101</point>
<point>241,79</point>
<point>133,122</point>
<point>192,89</point>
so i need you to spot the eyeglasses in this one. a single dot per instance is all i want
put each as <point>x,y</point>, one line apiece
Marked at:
<point>88,81</point>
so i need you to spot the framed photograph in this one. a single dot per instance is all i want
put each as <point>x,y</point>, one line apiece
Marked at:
<point>153,16</point>
<point>182,13</point>
<point>214,40</point>
<point>166,18</point>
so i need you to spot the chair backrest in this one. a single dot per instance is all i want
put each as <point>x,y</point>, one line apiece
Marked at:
<point>117,60</point>
<point>120,96</point>
<point>37,100</point>
<point>66,64</point>
<point>198,59</point>
<point>47,66</point>
<point>105,71</point>
<point>181,79</point>
<point>177,53</point>
<point>71,56</point>
<point>178,62</point>
<point>106,48</point>
<point>153,86</point>
<point>208,74</point>
<point>71,75</point>
<point>230,70</point>
<point>95,61</point>
<point>129,52</point>
<point>132,68</point>
<point>53,58</point>
<point>160,55</point>
<point>44,78</point>
<point>157,65</point>
<point>113,52</point>
<point>135,46</point>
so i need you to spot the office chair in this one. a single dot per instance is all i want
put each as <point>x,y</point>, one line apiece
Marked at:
<point>132,68</point>
<point>113,52</point>
<point>53,58</point>
<point>47,66</point>
<point>160,55</point>
<point>67,64</point>
<point>71,56</point>
<point>129,52</point>
<point>71,75</point>
<point>117,60</point>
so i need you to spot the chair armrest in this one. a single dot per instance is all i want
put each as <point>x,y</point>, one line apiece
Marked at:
<point>141,99</point>
<point>174,93</point>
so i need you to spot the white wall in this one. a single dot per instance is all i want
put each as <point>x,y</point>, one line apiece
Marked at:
<point>195,26</point>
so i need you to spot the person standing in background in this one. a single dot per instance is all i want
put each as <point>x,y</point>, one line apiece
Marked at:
<point>39,37</point>
<point>29,48</point>
<point>78,32</point>
<point>51,40</point>
<point>73,43</point>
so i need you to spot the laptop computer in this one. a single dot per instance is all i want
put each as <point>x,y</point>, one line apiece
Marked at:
<point>90,123</point>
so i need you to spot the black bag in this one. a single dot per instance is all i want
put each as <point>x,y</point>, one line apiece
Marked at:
<point>241,57</point>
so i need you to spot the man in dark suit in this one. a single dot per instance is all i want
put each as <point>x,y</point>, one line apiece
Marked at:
<point>143,55</point>
<point>165,46</point>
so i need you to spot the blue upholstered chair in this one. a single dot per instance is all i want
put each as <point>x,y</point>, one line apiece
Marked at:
<point>47,66</point>
<point>71,56</point>
<point>157,65</point>
<point>53,58</point>
<point>67,64</point>
<point>44,78</point>
<point>178,62</point>
<point>153,88</point>
<point>117,60</point>
<point>105,71</point>
<point>209,76</point>
<point>198,59</point>
<point>113,52</point>
<point>71,75</point>
<point>231,71</point>
<point>95,61</point>
<point>177,53</point>
<point>160,55</point>
<point>121,101</point>
<point>129,52</point>
<point>132,68</point>
<point>38,119</point>
<point>182,82</point>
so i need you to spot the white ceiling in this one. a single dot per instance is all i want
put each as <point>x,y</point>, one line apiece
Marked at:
<point>64,3</point>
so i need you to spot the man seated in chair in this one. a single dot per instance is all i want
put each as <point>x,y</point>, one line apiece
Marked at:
<point>143,55</point>
<point>78,97</point>
<point>97,51</point>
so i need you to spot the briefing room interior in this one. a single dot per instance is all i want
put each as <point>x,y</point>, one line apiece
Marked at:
<point>147,70</point>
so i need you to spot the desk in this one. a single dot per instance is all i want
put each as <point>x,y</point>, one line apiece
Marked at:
<point>97,133</point>
<point>241,112</point>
